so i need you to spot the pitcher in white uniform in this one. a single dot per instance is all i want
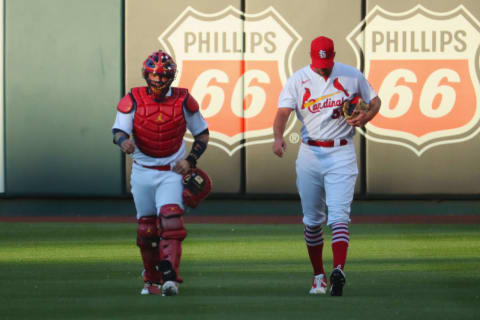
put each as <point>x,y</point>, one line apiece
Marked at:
<point>326,165</point>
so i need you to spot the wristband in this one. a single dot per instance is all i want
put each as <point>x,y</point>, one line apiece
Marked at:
<point>120,140</point>
<point>198,149</point>
<point>192,161</point>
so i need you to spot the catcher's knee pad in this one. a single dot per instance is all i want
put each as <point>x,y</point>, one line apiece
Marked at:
<point>147,232</point>
<point>171,222</point>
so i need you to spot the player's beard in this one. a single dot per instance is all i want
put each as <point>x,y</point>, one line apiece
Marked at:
<point>158,89</point>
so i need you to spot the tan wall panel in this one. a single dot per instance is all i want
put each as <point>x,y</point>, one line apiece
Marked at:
<point>146,21</point>
<point>440,154</point>
<point>267,173</point>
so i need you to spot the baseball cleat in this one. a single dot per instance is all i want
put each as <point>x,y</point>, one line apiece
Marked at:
<point>170,288</point>
<point>319,284</point>
<point>151,288</point>
<point>337,281</point>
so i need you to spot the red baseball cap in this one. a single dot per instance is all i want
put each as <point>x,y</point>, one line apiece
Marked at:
<point>322,52</point>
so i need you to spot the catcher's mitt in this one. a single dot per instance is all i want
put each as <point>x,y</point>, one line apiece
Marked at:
<point>352,107</point>
<point>196,187</point>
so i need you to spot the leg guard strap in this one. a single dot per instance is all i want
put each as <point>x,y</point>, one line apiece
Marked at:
<point>171,251</point>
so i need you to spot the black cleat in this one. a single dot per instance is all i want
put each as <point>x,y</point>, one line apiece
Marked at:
<point>337,281</point>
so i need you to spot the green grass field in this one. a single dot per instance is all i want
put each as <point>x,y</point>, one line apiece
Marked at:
<point>92,271</point>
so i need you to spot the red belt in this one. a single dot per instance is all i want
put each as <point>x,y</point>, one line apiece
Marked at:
<point>159,168</point>
<point>326,143</point>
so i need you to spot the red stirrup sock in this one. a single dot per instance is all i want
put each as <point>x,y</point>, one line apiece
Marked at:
<point>340,241</point>
<point>314,241</point>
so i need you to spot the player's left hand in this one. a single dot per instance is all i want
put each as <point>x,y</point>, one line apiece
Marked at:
<point>182,167</point>
<point>360,119</point>
<point>279,147</point>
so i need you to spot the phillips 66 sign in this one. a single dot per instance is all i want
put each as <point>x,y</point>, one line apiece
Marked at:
<point>235,65</point>
<point>425,67</point>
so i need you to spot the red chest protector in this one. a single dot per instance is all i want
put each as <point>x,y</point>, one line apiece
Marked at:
<point>159,127</point>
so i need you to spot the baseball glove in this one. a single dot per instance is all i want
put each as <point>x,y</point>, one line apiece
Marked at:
<point>197,185</point>
<point>353,107</point>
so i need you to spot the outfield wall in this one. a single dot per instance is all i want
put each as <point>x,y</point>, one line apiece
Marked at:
<point>67,63</point>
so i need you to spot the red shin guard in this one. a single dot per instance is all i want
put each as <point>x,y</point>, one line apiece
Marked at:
<point>172,232</point>
<point>171,250</point>
<point>147,241</point>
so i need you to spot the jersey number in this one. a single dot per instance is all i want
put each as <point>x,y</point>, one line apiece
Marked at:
<point>338,112</point>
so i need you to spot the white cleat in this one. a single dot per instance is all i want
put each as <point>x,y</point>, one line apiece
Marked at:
<point>170,288</point>
<point>319,284</point>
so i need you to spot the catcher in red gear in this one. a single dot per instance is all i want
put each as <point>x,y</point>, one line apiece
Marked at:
<point>150,125</point>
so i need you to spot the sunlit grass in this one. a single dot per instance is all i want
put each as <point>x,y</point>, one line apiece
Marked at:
<point>92,271</point>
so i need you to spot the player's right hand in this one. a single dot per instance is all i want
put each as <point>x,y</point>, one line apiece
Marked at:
<point>279,147</point>
<point>359,120</point>
<point>182,167</point>
<point>128,146</point>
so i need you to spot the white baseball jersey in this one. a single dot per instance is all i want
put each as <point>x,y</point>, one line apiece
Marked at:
<point>318,102</point>
<point>195,124</point>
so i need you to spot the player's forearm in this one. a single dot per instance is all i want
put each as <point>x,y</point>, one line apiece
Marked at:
<point>204,137</point>
<point>375,104</point>
<point>280,123</point>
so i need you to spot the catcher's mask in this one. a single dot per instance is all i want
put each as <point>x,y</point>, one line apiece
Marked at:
<point>162,69</point>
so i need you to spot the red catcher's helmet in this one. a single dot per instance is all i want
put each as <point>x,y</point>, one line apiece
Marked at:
<point>159,63</point>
